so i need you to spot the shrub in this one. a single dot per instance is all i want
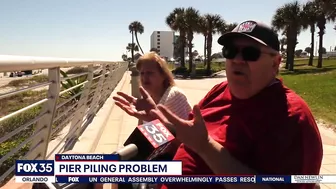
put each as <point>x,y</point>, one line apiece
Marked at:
<point>77,70</point>
<point>40,78</point>
<point>10,125</point>
<point>200,69</point>
<point>180,71</point>
<point>72,83</point>
<point>28,81</point>
<point>21,100</point>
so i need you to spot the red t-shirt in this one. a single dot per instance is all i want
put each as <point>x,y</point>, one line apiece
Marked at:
<point>273,133</point>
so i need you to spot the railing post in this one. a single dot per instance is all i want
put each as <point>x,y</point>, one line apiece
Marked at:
<point>135,81</point>
<point>118,75</point>
<point>97,95</point>
<point>111,81</point>
<point>107,85</point>
<point>82,105</point>
<point>39,145</point>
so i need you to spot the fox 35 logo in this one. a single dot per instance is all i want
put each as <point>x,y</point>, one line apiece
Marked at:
<point>34,167</point>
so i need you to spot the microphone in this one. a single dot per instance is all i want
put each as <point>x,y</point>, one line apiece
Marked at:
<point>151,139</point>
<point>127,152</point>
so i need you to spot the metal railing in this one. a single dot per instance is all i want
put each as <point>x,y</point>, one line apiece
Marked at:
<point>64,106</point>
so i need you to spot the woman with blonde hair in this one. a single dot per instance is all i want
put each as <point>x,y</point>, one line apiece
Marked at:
<point>158,82</point>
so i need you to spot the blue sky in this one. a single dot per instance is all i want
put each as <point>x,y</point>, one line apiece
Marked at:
<point>99,29</point>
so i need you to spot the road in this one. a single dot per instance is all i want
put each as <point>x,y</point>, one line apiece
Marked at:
<point>4,80</point>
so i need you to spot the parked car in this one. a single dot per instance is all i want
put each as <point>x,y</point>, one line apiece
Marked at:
<point>18,73</point>
<point>28,72</point>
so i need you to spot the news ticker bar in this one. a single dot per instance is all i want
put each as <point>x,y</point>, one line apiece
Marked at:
<point>328,179</point>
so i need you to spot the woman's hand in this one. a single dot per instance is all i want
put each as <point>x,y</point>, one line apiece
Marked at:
<point>192,133</point>
<point>138,108</point>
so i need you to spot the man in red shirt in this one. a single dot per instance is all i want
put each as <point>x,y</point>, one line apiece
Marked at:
<point>250,124</point>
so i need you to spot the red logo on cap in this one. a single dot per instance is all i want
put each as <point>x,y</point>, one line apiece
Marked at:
<point>246,26</point>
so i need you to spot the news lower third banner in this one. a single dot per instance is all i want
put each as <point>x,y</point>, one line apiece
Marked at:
<point>97,168</point>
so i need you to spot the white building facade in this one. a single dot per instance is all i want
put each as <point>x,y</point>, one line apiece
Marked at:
<point>163,41</point>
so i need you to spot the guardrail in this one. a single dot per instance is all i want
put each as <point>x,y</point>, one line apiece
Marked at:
<point>64,103</point>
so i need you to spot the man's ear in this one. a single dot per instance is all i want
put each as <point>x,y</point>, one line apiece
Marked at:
<point>277,60</point>
<point>276,64</point>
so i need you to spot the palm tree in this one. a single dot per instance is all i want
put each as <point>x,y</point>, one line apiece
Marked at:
<point>224,28</point>
<point>309,19</point>
<point>124,57</point>
<point>133,48</point>
<point>131,45</point>
<point>71,83</point>
<point>154,50</point>
<point>203,29</point>
<point>283,42</point>
<point>330,8</point>
<point>135,28</point>
<point>217,26</point>
<point>288,18</point>
<point>191,17</point>
<point>176,21</point>
<point>214,23</point>
<point>177,48</point>
<point>325,13</point>
<point>230,27</point>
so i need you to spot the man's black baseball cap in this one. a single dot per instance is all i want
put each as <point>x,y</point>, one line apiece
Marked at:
<point>254,30</point>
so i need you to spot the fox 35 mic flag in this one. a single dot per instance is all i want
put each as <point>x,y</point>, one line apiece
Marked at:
<point>151,138</point>
<point>76,165</point>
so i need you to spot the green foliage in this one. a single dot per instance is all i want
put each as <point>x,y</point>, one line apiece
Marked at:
<point>14,103</point>
<point>200,69</point>
<point>18,101</point>
<point>21,100</point>
<point>124,57</point>
<point>180,71</point>
<point>76,70</point>
<point>10,125</point>
<point>73,82</point>
<point>316,86</point>
<point>136,28</point>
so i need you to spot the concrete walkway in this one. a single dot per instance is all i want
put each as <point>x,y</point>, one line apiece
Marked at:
<point>120,125</point>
